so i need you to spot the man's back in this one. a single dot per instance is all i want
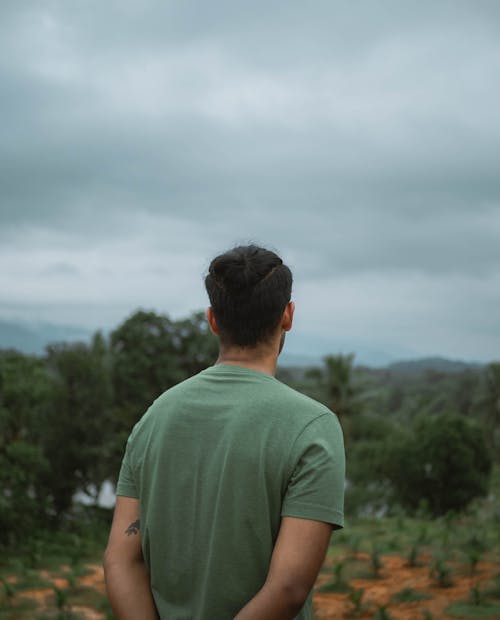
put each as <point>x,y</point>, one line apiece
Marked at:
<point>216,462</point>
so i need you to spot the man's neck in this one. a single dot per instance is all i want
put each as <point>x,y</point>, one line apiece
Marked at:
<point>263,360</point>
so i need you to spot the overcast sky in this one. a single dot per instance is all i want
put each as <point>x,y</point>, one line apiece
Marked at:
<point>360,139</point>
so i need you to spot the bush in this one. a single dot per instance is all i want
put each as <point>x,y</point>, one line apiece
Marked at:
<point>444,461</point>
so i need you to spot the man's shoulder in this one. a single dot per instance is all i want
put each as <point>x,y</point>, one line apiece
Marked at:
<point>288,403</point>
<point>301,400</point>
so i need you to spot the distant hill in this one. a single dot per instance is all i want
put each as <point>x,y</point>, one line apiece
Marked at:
<point>34,337</point>
<point>438,364</point>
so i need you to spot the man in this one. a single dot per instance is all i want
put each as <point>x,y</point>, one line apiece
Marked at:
<point>231,482</point>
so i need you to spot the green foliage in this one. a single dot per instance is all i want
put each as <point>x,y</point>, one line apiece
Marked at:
<point>376,561</point>
<point>493,589</point>
<point>476,595</point>
<point>144,362</point>
<point>61,596</point>
<point>356,599</point>
<point>413,555</point>
<point>338,584</point>
<point>488,404</point>
<point>338,379</point>
<point>79,425</point>
<point>64,417</point>
<point>443,460</point>
<point>466,609</point>
<point>354,543</point>
<point>382,613</point>
<point>408,595</point>
<point>9,590</point>
<point>338,386</point>
<point>149,354</point>
<point>441,572</point>
<point>25,398</point>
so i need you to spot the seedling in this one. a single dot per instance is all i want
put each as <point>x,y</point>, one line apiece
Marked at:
<point>354,543</point>
<point>474,548</point>
<point>356,600</point>
<point>413,555</point>
<point>440,572</point>
<point>35,553</point>
<point>64,610</point>
<point>473,557</point>
<point>338,572</point>
<point>9,591</point>
<point>338,584</point>
<point>408,595</point>
<point>422,537</point>
<point>72,578</point>
<point>476,596</point>
<point>376,562</point>
<point>494,589</point>
<point>382,613</point>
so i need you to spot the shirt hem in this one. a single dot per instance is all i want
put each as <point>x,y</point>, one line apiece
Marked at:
<point>125,491</point>
<point>316,513</point>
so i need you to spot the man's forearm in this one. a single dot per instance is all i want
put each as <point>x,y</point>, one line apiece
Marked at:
<point>273,602</point>
<point>129,591</point>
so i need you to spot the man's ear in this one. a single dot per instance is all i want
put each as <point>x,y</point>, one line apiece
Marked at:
<point>212,322</point>
<point>287,319</point>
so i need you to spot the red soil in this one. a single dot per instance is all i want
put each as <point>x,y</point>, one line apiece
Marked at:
<point>394,577</point>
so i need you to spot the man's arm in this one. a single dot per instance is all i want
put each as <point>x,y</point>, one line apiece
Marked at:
<point>297,557</point>
<point>126,575</point>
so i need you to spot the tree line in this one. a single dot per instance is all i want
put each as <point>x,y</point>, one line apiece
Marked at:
<point>419,440</point>
<point>65,416</point>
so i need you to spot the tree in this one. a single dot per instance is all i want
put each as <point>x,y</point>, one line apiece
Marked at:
<point>145,363</point>
<point>197,346</point>
<point>79,425</point>
<point>24,400</point>
<point>151,353</point>
<point>489,403</point>
<point>338,382</point>
<point>444,460</point>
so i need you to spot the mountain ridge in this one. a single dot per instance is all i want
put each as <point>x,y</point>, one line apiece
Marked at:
<point>33,337</point>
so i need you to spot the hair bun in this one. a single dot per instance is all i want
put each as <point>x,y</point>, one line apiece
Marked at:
<point>238,271</point>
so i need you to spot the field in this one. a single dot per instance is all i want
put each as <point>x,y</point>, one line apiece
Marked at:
<point>409,569</point>
<point>400,568</point>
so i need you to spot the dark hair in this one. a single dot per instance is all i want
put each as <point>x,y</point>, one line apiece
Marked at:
<point>249,288</point>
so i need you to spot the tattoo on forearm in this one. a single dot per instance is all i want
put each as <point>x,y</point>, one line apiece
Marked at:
<point>133,528</point>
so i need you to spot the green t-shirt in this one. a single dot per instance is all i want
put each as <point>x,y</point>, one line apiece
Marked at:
<point>216,461</point>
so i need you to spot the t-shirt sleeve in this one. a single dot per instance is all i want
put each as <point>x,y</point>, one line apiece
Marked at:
<point>316,485</point>
<point>126,483</point>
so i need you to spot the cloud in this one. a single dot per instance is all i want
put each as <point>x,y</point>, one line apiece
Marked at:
<point>360,140</point>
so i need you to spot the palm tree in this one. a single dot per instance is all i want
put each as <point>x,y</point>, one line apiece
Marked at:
<point>489,402</point>
<point>339,387</point>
